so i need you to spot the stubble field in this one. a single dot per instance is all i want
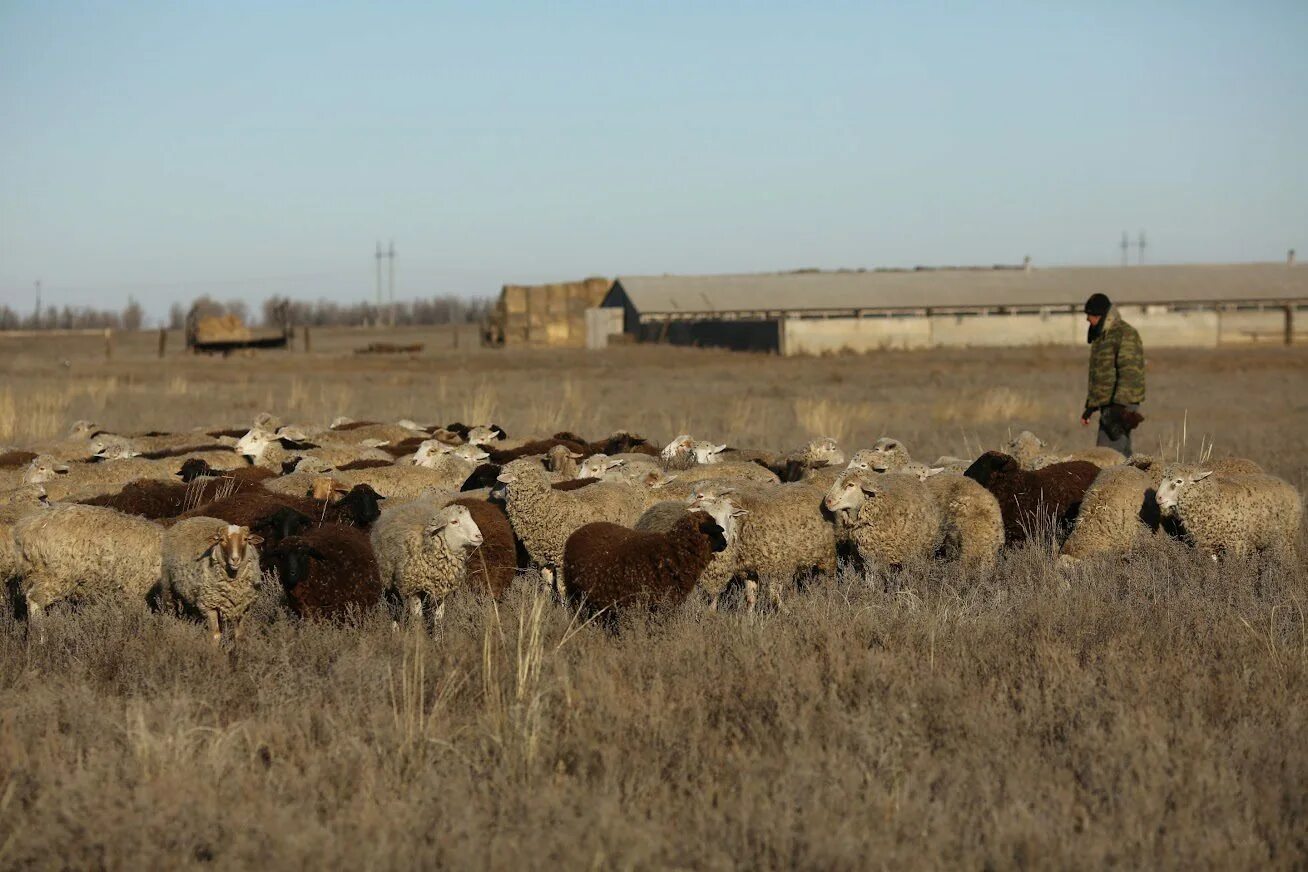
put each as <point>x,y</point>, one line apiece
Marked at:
<point>1147,712</point>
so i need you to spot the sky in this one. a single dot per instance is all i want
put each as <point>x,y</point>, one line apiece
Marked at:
<point>243,149</point>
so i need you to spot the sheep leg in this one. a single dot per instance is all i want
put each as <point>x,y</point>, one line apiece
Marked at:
<point>438,613</point>
<point>774,593</point>
<point>413,604</point>
<point>39,597</point>
<point>751,594</point>
<point>215,626</point>
<point>236,625</point>
<point>713,602</point>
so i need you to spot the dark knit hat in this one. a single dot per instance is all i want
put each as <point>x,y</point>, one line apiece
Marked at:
<point>1098,304</point>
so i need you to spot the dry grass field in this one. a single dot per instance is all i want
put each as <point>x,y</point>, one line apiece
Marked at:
<point>1142,713</point>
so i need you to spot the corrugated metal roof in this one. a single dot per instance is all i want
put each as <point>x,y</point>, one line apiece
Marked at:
<point>963,288</point>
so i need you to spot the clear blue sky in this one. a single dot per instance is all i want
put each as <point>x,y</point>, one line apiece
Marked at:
<point>248,148</point>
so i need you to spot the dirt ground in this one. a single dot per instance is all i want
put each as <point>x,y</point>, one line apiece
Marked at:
<point>1142,712</point>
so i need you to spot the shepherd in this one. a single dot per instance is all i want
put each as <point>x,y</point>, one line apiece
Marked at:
<point>1117,374</point>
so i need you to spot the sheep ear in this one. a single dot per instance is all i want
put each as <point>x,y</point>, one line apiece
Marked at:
<point>935,470</point>
<point>1201,476</point>
<point>253,540</point>
<point>574,455</point>
<point>740,513</point>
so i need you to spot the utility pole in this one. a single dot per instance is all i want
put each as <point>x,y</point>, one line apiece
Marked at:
<point>390,256</point>
<point>1141,244</point>
<point>1126,246</point>
<point>377,316</point>
<point>37,322</point>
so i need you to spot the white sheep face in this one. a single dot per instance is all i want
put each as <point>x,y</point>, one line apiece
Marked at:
<point>481,435</point>
<point>707,452</point>
<point>1174,486</point>
<point>825,452</point>
<point>43,469</point>
<point>678,447</point>
<point>471,452</point>
<point>112,448</point>
<point>846,495</point>
<point>233,547</point>
<point>1024,445</point>
<point>728,516</point>
<point>254,443</point>
<point>430,452</point>
<point>455,525</point>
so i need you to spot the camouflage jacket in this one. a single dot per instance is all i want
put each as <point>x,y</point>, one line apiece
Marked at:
<point>1117,366</point>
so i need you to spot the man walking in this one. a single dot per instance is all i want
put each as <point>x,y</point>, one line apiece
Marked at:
<point>1117,374</point>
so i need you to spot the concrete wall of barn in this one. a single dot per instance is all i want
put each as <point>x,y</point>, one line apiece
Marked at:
<point>1159,328</point>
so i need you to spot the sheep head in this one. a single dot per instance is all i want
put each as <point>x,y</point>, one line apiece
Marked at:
<point>360,505</point>
<point>232,546</point>
<point>1025,445</point>
<point>848,494</point>
<point>677,447</point>
<point>455,525</point>
<point>281,524</point>
<point>82,429</point>
<point>1175,483</point>
<point>196,467</point>
<point>42,469</point>
<point>292,562</point>
<point>597,465</point>
<point>824,451</point>
<point>707,452</point>
<point>991,465</point>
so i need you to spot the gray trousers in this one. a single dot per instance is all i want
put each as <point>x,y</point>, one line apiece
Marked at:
<point>1123,442</point>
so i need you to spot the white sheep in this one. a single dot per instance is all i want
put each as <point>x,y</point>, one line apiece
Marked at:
<point>971,524</point>
<point>422,550</point>
<point>1114,517</point>
<point>1233,514</point>
<point>893,519</point>
<point>784,534</point>
<point>211,567</point>
<point>73,551</point>
<point>663,516</point>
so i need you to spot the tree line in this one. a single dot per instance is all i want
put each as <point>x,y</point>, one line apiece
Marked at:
<point>446,309</point>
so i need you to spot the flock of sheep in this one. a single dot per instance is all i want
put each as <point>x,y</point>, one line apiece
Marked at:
<point>348,516</point>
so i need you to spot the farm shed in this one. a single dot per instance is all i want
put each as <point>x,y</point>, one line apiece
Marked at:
<point>814,312</point>
<point>552,315</point>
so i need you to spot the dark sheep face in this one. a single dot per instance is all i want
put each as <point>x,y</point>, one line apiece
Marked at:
<point>483,476</point>
<point>717,536</point>
<point>293,563</point>
<point>283,523</point>
<point>288,466</point>
<point>362,504</point>
<point>498,431</point>
<point>194,468</point>
<point>458,429</point>
<point>989,465</point>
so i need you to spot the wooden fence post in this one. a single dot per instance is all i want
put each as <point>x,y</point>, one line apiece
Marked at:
<point>163,341</point>
<point>456,335</point>
<point>108,343</point>
<point>1289,323</point>
<point>307,345</point>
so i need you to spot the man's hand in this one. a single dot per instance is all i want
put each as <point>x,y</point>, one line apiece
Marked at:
<point>1085,417</point>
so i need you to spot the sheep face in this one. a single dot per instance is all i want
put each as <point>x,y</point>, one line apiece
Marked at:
<point>522,470</point>
<point>293,563</point>
<point>194,468</point>
<point>561,460</point>
<point>484,434</point>
<point>43,469</point>
<point>1173,486</point>
<point>1025,445</point>
<point>597,465</point>
<point>455,525</point>
<point>707,452</point>
<point>847,495</point>
<point>82,429</point>
<point>824,452</point>
<point>430,452</point>
<point>326,488</point>
<point>232,547</point>
<point>361,504</point>
<point>112,448</point>
<point>728,516</point>
<point>254,443</point>
<point>471,453</point>
<point>339,421</point>
<point>990,465</point>
<point>677,447</point>
<point>267,422</point>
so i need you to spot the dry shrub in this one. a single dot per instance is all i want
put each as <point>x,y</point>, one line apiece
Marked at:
<point>991,405</point>
<point>830,416</point>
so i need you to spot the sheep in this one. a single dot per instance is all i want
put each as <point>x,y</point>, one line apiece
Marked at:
<point>971,523</point>
<point>630,468</point>
<point>282,524</point>
<point>1233,514</point>
<point>422,550</point>
<point>1033,500</point>
<point>663,516</point>
<point>543,518</point>
<point>1119,512</point>
<point>70,551</point>
<point>1155,468</point>
<point>609,566</point>
<point>211,567</point>
<point>503,456</point>
<point>358,508</point>
<point>197,467</point>
<point>888,455</point>
<point>270,450</point>
<point>494,565</point>
<point>1032,453</point>
<point>156,500</point>
<point>407,482</point>
<point>893,519</point>
<point>685,450</point>
<point>41,469</point>
<point>623,442</point>
<point>824,451</point>
<point>326,572</point>
<point>783,535</point>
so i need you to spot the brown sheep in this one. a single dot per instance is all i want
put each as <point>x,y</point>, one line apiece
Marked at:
<point>1033,500</point>
<point>358,508</point>
<point>157,500</point>
<point>327,571</point>
<point>609,566</point>
<point>198,467</point>
<point>16,459</point>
